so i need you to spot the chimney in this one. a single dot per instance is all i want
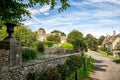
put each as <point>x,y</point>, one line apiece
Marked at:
<point>114,33</point>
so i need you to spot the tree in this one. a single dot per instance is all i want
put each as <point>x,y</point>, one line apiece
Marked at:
<point>14,10</point>
<point>67,46</point>
<point>76,38</point>
<point>42,29</point>
<point>57,31</point>
<point>91,42</point>
<point>25,35</point>
<point>3,33</point>
<point>40,46</point>
<point>100,40</point>
<point>54,38</point>
<point>22,33</point>
<point>1,23</point>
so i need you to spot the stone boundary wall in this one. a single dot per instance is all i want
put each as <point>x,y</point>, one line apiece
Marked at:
<point>40,66</point>
<point>20,72</point>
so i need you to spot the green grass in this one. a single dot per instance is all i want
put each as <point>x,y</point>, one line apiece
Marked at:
<point>28,54</point>
<point>117,60</point>
<point>83,75</point>
<point>104,54</point>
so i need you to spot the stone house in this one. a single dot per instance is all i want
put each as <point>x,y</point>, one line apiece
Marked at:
<point>111,43</point>
<point>41,36</point>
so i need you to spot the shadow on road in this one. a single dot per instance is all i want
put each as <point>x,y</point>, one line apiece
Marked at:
<point>98,66</point>
<point>98,61</point>
<point>94,79</point>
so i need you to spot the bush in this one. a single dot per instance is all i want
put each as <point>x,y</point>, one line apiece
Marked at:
<point>74,62</point>
<point>28,54</point>
<point>50,74</point>
<point>67,46</point>
<point>40,47</point>
<point>63,71</point>
<point>103,48</point>
<point>117,60</point>
<point>48,43</point>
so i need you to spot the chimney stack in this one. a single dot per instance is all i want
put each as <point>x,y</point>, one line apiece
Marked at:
<point>114,33</point>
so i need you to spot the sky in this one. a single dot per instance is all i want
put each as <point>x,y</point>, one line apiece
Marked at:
<point>97,17</point>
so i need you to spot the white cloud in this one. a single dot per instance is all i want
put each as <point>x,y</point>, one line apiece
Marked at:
<point>41,10</point>
<point>109,21</point>
<point>80,3</point>
<point>44,8</point>
<point>111,1</point>
<point>46,13</point>
<point>33,11</point>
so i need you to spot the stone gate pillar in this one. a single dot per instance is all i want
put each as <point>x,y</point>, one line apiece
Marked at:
<point>10,57</point>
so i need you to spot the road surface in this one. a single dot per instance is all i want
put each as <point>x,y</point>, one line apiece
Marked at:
<point>105,68</point>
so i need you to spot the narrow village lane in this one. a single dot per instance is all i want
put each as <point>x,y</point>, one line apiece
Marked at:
<point>105,68</point>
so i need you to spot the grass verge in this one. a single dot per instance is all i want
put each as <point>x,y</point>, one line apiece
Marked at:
<point>83,75</point>
<point>104,54</point>
<point>117,60</point>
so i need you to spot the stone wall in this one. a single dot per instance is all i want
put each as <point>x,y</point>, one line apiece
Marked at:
<point>52,50</point>
<point>40,66</point>
<point>20,72</point>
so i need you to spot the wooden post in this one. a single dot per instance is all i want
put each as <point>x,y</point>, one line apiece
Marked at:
<point>76,74</point>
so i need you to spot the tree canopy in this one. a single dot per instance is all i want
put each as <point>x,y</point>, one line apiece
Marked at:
<point>91,42</point>
<point>54,38</point>
<point>3,33</point>
<point>57,31</point>
<point>25,35</point>
<point>100,40</point>
<point>13,10</point>
<point>21,33</point>
<point>76,38</point>
<point>42,29</point>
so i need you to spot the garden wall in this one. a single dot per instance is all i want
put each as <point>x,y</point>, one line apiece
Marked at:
<point>20,72</point>
<point>40,66</point>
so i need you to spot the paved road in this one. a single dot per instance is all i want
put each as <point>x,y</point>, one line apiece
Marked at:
<point>105,68</point>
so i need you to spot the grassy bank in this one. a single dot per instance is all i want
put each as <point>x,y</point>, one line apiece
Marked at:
<point>117,60</point>
<point>104,54</point>
<point>83,75</point>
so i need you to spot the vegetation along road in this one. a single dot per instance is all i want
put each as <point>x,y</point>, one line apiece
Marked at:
<point>105,68</point>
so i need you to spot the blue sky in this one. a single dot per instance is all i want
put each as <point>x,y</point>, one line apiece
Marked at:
<point>97,17</point>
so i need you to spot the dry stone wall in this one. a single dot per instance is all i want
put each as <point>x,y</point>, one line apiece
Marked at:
<point>40,66</point>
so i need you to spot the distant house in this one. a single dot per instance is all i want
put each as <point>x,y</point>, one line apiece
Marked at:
<point>111,43</point>
<point>63,39</point>
<point>41,36</point>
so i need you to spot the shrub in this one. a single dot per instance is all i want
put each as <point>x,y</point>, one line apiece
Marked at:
<point>63,71</point>
<point>109,53</point>
<point>67,46</point>
<point>50,74</point>
<point>117,60</point>
<point>28,54</point>
<point>103,48</point>
<point>74,62</point>
<point>40,47</point>
<point>48,43</point>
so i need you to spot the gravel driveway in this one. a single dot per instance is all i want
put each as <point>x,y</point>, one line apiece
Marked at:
<point>105,68</point>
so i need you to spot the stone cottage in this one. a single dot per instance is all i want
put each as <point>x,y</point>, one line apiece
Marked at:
<point>112,43</point>
<point>41,35</point>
